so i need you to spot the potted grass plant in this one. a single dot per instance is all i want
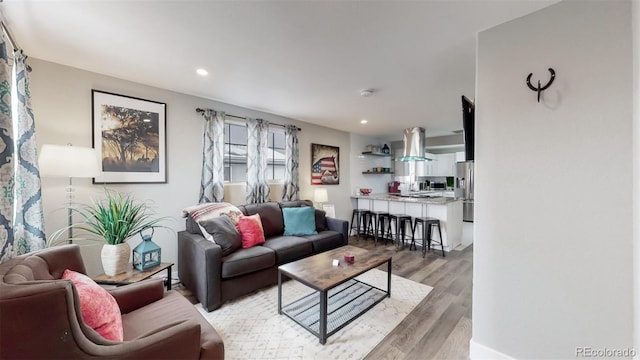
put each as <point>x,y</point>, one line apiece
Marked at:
<point>115,219</point>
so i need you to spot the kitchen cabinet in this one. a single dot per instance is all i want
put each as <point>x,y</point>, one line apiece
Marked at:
<point>421,168</point>
<point>430,167</point>
<point>440,165</point>
<point>427,168</point>
<point>445,165</point>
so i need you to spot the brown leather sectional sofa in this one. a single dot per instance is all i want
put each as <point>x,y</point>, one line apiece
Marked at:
<point>214,278</point>
<point>40,316</point>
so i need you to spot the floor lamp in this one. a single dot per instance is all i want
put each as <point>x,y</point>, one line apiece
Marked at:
<point>71,162</point>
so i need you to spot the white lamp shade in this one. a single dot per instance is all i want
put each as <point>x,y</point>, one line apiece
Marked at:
<point>320,196</point>
<point>69,161</point>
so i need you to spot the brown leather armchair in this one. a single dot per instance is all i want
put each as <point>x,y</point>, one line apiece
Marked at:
<point>40,316</point>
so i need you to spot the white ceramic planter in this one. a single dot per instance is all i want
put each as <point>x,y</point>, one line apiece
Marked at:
<point>115,258</point>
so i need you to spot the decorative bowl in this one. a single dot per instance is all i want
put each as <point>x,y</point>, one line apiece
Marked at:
<point>365,191</point>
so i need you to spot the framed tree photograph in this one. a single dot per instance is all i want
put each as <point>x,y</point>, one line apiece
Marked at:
<point>130,136</point>
<point>325,165</point>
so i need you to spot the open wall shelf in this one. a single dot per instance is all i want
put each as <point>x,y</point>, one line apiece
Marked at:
<point>375,154</point>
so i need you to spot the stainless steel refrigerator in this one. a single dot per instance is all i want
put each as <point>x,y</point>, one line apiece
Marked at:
<point>464,188</point>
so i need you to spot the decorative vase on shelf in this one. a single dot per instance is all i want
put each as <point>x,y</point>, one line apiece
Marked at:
<point>115,258</point>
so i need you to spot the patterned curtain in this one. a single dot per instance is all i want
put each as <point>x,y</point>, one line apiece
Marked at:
<point>257,187</point>
<point>212,182</point>
<point>28,224</point>
<point>291,176</point>
<point>6,153</point>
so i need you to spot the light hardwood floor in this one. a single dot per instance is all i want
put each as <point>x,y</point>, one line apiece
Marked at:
<point>440,326</point>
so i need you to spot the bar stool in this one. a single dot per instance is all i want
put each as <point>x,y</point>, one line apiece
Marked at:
<point>359,216</point>
<point>376,218</point>
<point>400,222</point>
<point>426,223</point>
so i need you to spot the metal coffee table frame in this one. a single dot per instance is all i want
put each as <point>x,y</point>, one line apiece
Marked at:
<point>343,312</point>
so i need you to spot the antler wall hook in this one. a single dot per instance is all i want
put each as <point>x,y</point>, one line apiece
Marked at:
<point>540,89</point>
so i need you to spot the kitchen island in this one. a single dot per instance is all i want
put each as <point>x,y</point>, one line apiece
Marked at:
<point>447,209</point>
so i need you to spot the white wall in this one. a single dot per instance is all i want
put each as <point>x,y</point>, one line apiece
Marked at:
<point>338,194</point>
<point>359,163</point>
<point>61,99</point>
<point>553,242</point>
<point>636,168</point>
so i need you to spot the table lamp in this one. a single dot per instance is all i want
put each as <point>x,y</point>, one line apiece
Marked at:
<point>72,162</point>
<point>320,196</point>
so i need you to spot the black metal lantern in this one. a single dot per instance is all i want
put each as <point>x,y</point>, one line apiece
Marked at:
<point>147,254</point>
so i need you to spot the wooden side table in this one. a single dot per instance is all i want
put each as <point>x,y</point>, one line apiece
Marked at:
<point>134,275</point>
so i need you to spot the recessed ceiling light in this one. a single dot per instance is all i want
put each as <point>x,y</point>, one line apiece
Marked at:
<point>202,72</point>
<point>366,92</point>
<point>363,121</point>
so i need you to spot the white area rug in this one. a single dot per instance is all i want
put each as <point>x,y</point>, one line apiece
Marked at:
<point>252,329</point>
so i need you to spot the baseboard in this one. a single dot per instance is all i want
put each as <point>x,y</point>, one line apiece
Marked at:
<point>480,352</point>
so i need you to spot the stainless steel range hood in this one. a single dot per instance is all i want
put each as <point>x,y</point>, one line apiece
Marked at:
<point>413,145</point>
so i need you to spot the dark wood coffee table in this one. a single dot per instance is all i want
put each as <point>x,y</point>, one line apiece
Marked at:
<point>134,275</point>
<point>339,298</point>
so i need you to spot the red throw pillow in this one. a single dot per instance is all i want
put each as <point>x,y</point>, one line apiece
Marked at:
<point>251,232</point>
<point>99,309</point>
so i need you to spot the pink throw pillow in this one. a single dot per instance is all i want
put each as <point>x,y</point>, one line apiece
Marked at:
<point>99,309</point>
<point>251,232</point>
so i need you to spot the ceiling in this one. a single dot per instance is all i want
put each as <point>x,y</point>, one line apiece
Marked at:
<point>306,60</point>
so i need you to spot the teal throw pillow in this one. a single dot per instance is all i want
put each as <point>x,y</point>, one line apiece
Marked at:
<point>299,220</point>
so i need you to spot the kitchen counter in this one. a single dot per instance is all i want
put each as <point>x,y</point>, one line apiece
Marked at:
<point>447,210</point>
<point>418,198</point>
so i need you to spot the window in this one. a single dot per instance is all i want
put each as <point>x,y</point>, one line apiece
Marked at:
<point>276,159</point>
<point>235,153</point>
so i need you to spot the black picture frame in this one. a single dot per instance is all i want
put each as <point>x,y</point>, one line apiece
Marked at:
<point>129,133</point>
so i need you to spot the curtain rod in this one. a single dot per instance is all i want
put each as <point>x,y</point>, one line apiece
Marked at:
<point>199,110</point>
<point>5,28</point>
<point>12,40</point>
